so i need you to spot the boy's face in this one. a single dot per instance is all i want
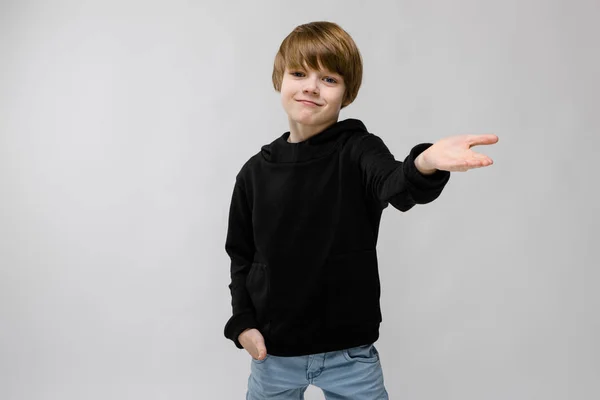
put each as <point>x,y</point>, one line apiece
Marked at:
<point>323,88</point>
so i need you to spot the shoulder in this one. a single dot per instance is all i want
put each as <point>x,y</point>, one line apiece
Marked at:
<point>248,167</point>
<point>363,143</point>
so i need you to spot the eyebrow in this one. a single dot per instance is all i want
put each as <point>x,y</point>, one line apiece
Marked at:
<point>325,71</point>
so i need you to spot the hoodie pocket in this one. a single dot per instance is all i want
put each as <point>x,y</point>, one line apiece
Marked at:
<point>257,284</point>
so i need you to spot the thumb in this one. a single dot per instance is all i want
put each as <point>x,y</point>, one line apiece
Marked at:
<point>261,348</point>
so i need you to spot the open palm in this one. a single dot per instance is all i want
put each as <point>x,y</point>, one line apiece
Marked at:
<point>454,152</point>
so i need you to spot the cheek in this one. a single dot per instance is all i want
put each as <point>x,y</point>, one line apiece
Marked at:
<point>286,90</point>
<point>287,97</point>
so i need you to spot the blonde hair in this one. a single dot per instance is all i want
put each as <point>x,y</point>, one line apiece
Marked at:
<point>321,44</point>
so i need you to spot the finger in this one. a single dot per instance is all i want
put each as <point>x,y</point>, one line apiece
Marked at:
<point>253,351</point>
<point>261,351</point>
<point>486,139</point>
<point>478,164</point>
<point>470,162</point>
<point>471,154</point>
<point>481,157</point>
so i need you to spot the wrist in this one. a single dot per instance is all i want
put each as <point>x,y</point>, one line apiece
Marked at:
<point>422,166</point>
<point>244,331</point>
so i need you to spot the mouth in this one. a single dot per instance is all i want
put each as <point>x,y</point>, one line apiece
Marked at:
<point>308,103</point>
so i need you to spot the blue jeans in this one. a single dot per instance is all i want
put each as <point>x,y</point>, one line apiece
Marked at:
<point>353,373</point>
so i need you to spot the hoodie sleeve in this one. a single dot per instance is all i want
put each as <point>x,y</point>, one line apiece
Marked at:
<point>395,182</point>
<point>239,245</point>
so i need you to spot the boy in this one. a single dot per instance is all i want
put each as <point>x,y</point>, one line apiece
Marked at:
<point>303,226</point>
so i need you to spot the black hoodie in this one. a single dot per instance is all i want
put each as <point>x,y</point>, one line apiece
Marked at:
<point>302,235</point>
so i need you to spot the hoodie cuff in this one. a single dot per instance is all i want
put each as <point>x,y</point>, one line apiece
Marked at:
<point>433,181</point>
<point>238,324</point>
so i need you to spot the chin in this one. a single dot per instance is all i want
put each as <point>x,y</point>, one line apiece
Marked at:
<point>307,120</point>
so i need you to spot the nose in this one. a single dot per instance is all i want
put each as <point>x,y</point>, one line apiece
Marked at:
<point>311,86</point>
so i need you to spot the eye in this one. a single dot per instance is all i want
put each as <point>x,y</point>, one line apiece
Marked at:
<point>334,81</point>
<point>295,72</point>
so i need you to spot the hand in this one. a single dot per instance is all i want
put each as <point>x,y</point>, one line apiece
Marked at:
<point>454,154</point>
<point>254,343</point>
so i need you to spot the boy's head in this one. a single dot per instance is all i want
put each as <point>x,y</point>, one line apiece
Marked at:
<point>320,62</point>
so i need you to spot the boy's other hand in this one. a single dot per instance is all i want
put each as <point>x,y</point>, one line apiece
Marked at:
<point>454,154</point>
<point>254,343</point>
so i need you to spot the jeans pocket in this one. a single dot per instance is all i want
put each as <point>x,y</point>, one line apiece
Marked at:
<point>254,360</point>
<point>366,354</point>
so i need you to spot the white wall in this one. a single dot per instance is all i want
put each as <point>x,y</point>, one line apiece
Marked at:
<point>123,124</point>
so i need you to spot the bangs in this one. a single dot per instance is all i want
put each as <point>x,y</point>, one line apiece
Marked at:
<point>307,51</point>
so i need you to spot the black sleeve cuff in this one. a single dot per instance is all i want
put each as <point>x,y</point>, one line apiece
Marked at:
<point>238,324</point>
<point>424,182</point>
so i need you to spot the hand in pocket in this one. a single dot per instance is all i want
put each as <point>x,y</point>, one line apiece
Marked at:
<point>254,343</point>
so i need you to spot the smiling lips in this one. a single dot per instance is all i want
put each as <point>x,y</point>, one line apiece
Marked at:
<point>308,103</point>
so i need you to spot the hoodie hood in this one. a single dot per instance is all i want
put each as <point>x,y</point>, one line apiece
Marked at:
<point>317,146</point>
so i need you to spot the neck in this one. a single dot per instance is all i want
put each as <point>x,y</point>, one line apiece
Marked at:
<point>300,132</point>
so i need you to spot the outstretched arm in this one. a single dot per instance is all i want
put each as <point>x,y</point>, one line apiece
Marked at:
<point>399,183</point>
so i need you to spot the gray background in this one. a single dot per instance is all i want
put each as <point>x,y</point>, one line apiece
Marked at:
<point>124,123</point>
